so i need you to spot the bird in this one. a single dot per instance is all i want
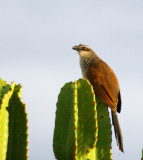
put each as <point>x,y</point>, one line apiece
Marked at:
<point>104,82</point>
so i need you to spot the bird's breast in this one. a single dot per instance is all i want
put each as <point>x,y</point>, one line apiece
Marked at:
<point>84,68</point>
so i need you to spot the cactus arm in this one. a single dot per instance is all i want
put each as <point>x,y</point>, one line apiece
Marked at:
<point>64,135</point>
<point>13,123</point>
<point>103,146</point>
<point>4,119</point>
<point>18,134</point>
<point>87,127</point>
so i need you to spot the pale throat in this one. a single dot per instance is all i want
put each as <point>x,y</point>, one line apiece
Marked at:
<point>86,59</point>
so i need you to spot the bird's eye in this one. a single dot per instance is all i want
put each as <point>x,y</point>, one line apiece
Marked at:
<point>84,48</point>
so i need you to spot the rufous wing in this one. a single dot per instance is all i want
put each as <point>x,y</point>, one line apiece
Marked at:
<point>105,83</point>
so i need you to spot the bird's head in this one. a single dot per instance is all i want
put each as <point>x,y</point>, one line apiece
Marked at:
<point>83,50</point>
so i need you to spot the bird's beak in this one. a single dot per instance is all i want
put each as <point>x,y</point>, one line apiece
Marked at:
<point>75,48</point>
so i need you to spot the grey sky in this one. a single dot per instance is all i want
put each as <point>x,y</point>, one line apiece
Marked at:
<point>36,39</point>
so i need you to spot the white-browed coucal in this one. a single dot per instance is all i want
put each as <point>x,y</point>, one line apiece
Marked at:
<point>104,82</point>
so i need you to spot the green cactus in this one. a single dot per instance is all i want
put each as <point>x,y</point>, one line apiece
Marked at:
<point>82,132</point>
<point>103,146</point>
<point>87,126</point>
<point>64,135</point>
<point>13,123</point>
<point>5,97</point>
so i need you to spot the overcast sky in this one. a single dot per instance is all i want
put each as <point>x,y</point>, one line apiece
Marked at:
<point>36,39</point>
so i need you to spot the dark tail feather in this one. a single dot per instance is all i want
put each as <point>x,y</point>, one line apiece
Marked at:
<point>118,132</point>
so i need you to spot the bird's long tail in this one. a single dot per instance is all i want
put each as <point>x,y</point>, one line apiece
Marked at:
<point>118,132</point>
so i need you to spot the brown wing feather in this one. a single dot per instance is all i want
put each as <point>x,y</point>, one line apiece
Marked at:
<point>100,91</point>
<point>105,83</point>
